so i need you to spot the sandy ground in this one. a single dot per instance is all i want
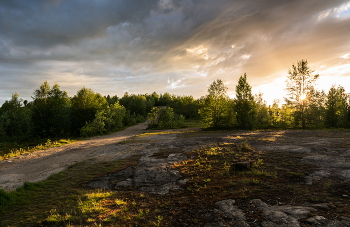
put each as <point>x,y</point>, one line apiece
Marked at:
<point>39,165</point>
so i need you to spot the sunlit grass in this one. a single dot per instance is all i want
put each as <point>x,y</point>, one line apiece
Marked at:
<point>92,202</point>
<point>163,133</point>
<point>10,150</point>
<point>61,199</point>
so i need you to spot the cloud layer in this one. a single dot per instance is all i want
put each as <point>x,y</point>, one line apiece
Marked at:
<point>171,46</point>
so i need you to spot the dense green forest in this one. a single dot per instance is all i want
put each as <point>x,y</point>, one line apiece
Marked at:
<point>53,114</point>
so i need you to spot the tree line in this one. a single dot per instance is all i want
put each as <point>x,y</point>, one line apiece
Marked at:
<point>52,113</point>
<point>304,107</point>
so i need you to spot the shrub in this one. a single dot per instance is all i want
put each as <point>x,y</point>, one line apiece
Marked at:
<point>165,118</point>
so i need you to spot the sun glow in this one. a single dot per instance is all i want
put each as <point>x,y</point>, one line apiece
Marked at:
<point>274,90</point>
<point>302,97</point>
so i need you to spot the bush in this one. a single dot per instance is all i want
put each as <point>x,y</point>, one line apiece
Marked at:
<point>165,118</point>
<point>109,119</point>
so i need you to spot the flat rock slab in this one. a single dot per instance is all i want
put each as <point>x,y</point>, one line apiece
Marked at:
<point>228,213</point>
<point>287,148</point>
<point>281,216</point>
<point>150,175</point>
<point>332,162</point>
<point>327,161</point>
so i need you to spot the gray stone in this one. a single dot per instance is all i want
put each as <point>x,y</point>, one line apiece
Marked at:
<point>275,218</point>
<point>150,175</point>
<point>345,174</point>
<point>327,161</point>
<point>318,175</point>
<point>317,220</point>
<point>288,148</point>
<point>106,182</point>
<point>217,223</point>
<point>337,223</point>
<point>184,181</point>
<point>282,216</point>
<point>232,212</point>
<point>298,212</point>
<point>319,205</point>
<point>259,204</point>
<point>125,183</point>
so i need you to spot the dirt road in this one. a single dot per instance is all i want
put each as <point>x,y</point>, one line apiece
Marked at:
<point>39,165</point>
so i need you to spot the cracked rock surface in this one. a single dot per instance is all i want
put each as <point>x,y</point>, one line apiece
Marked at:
<point>154,175</point>
<point>273,216</point>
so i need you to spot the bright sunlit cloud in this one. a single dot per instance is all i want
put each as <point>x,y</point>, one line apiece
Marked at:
<point>337,75</point>
<point>199,51</point>
<point>175,84</point>
<point>345,56</point>
<point>245,56</point>
<point>339,11</point>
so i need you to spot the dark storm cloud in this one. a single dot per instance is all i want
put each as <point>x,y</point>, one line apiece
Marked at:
<point>47,23</point>
<point>164,44</point>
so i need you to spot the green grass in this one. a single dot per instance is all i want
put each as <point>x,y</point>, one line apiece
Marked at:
<point>194,123</point>
<point>59,200</point>
<point>13,149</point>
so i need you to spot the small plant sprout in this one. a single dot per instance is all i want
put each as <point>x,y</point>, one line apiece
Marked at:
<point>120,202</point>
<point>258,163</point>
<point>159,220</point>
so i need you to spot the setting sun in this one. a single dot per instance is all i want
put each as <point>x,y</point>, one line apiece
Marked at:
<point>302,97</point>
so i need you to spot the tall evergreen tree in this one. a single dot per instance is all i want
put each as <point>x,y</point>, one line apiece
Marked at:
<point>244,104</point>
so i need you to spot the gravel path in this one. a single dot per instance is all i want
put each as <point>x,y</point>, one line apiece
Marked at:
<point>39,165</point>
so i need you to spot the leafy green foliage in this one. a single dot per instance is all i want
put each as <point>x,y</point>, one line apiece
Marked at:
<point>336,108</point>
<point>109,119</point>
<point>164,99</point>
<point>215,109</point>
<point>165,118</point>
<point>263,119</point>
<point>185,105</point>
<point>86,103</point>
<point>51,111</point>
<point>15,120</point>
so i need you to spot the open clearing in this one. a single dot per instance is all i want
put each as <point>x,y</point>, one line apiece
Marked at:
<point>187,177</point>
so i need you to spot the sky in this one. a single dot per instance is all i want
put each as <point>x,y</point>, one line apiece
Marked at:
<point>174,46</point>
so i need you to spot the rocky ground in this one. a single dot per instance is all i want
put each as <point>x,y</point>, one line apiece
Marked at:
<point>300,178</point>
<point>321,158</point>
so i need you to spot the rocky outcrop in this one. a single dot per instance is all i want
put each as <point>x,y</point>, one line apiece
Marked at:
<point>152,175</point>
<point>273,216</point>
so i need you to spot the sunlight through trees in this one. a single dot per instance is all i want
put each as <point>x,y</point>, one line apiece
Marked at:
<point>53,114</point>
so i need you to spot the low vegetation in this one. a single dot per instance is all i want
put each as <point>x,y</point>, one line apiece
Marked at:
<point>274,177</point>
<point>10,150</point>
